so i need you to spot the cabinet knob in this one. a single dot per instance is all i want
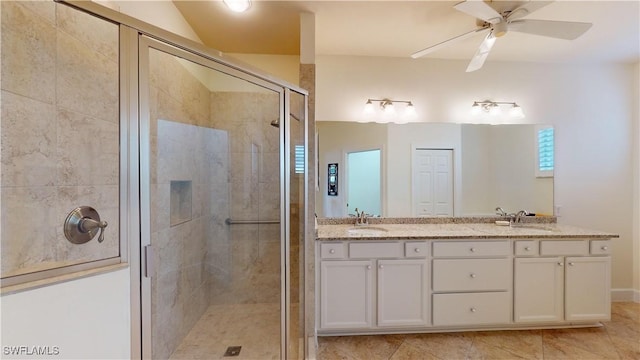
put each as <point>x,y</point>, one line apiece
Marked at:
<point>605,248</point>
<point>472,309</point>
<point>526,248</point>
<point>368,267</point>
<point>472,249</point>
<point>560,264</point>
<point>416,250</point>
<point>570,264</point>
<point>472,275</point>
<point>381,266</point>
<point>332,251</point>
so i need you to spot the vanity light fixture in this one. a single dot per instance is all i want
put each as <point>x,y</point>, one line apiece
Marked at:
<point>493,108</point>
<point>388,108</point>
<point>238,5</point>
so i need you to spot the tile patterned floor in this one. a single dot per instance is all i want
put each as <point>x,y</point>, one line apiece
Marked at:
<point>617,339</point>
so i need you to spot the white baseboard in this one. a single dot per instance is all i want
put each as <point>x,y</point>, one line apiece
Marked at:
<point>625,295</point>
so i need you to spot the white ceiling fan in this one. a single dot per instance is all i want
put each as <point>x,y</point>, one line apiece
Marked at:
<point>498,24</point>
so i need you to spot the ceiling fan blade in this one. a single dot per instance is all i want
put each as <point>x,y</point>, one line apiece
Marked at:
<point>481,55</point>
<point>527,9</point>
<point>567,30</point>
<point>479,9</point>
<point>445,43</point>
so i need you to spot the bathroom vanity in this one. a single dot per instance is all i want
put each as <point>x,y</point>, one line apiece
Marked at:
<point>459,275</point>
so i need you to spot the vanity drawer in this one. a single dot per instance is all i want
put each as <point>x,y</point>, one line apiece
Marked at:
<point>526,248</point>
<point>414,249</point>
<point>471,248</point>
<point>332,250</point>
<point>564,247</point>
<point>471,274</point>
<point>375,250</point>
<point>600,247</point>
<point>471,309</point>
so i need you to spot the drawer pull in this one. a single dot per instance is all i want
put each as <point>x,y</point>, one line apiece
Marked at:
<point>527,248</point>
<point>472,309</point>
<point>381,266</point>
<point>332,251</point>
<point>560,264</point>
<point>472,249</point>
<point>368,267</point>
<point>472,275</point>
<point>570,264</point>
<point>605,248</point>
<point>416,250</point>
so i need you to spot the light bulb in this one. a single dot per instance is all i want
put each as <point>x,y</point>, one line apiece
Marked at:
<point>475,109</point>
<point>516,112</point>
<point>410,110</point>
<point>388,108</point>
<point>368,108</point>
<point>238,5</point>
<point>495,110</point>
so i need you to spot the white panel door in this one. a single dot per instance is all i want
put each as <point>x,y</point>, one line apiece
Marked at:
<point>346,294</point>
<point>538,289</point>
<point>402,292</point>
<point>432,182</point>
<point>588,288</point>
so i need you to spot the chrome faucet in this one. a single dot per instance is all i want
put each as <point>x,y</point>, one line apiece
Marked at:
<point>520,214</point>
<point>500,211</point>
<point>361,217</point>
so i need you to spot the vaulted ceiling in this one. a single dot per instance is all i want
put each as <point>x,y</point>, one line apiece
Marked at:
<point>400,28</point>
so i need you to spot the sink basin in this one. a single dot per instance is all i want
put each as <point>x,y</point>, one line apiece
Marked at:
<point>367,231</point>
<point>536,227</point>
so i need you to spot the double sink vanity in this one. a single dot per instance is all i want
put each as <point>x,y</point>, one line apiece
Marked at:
<point>398,275</point>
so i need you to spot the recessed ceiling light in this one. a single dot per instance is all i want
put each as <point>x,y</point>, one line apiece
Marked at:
<point>238,5</point>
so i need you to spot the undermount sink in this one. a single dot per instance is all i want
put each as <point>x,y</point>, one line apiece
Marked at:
<point>367,230</point>
<point>535,227</point>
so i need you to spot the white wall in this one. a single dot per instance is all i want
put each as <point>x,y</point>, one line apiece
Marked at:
<point>592,107</point>
<point>85,319</point>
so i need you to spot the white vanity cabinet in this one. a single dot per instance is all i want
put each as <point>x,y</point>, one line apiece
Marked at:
<point>366,285</point>
<point>562,281</point>
<point>471,283</point>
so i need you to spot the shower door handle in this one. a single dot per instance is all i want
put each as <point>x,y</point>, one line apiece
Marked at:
<point>82,224</point>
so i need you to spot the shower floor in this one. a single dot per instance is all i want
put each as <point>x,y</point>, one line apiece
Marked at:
<point>255,327</point>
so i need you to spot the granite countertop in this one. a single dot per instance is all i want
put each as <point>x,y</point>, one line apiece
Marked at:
<point>458,230</point>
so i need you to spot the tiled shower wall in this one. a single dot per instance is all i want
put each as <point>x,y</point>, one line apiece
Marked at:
<point>183,150</point>
<point>252,273</point>
<point>60,138</point>
<point>222,144</point>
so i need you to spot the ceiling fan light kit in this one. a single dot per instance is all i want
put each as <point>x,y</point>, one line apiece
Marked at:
<point>499,24</point>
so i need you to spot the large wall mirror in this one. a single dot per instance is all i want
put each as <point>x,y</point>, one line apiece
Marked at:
<point>492,165</point>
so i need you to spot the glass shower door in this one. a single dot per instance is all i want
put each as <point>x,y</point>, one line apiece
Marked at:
<point>211,209</point>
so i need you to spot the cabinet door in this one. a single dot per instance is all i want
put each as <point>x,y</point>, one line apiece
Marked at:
<point>402,292</point>
<point>588,288</point>
<point>538,289</point>
<point>346,294</point>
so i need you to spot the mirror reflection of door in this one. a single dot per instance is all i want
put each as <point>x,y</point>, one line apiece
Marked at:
<point>363,182</point>
<point>433,182</point>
